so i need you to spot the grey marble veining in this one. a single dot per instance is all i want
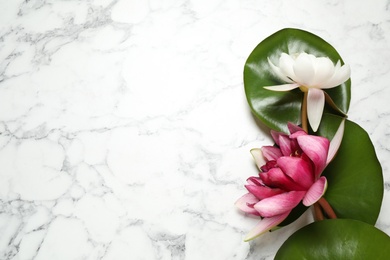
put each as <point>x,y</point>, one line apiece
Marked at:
<point>125,132</point>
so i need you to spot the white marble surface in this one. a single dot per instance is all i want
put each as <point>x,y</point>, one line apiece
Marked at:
<point>125,132</point>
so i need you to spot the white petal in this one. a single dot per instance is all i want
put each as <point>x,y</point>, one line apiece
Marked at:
<point>304,69</point>
<point>286,63</point>
<point>335,143</point>
<point>258,156</point>
<point>279,73</point>
<point>338,65</point>
<point>284,87</point>
<point>264,225</point>
<point>340,76</point>
<point>324,70</point>
<point>315,107</point>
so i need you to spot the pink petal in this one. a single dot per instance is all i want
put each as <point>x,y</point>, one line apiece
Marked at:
<point>262,192</point>
<point>315,192</point>
<point>336,142</point>
<point>275,135</point>
<point>316,148</point>
<point>264,225</point>
<point>258,157</point>
<point>255,181</point>
<point>295,147</point>
<point>271,152</point>
<point>284,87</point>
<point>246,202</point>
<point>285,145</point>
<point>293,128</point>
<point>276,178</point>
<point>296,134</point>
<point>279,204</point>
<point>315,107</point>
<point>265,178</point>
<point>298,169</point>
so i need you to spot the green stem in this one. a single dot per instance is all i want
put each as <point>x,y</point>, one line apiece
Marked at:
<point>304,112</point>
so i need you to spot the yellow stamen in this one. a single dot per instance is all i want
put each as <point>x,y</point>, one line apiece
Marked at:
<point>304,89</point>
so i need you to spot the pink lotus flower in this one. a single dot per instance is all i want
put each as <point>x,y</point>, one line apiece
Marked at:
<point>289,173</point>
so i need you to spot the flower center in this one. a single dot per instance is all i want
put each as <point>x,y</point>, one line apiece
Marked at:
<point>297,153</point>
<point>304,88</point>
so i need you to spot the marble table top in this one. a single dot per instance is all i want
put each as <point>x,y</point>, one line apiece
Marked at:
<point>124,127</point>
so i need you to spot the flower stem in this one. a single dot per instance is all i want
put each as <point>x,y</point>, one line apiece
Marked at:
<point>318,215</point>
<point>304,112</point>
<point>327,208</point>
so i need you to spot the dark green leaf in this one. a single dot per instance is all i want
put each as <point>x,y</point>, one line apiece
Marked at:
<point>336,239</point>
<point>273,108</point>
<point>355,181</point>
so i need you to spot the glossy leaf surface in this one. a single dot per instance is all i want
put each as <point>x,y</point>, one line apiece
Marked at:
<point>336,239</point>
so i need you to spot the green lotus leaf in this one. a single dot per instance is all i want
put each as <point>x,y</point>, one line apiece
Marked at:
<point>273,108</point>
<point>336,239</point>
<point>355,181</point>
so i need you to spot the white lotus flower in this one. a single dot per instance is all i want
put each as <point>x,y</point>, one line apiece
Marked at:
<point>311,74</point>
